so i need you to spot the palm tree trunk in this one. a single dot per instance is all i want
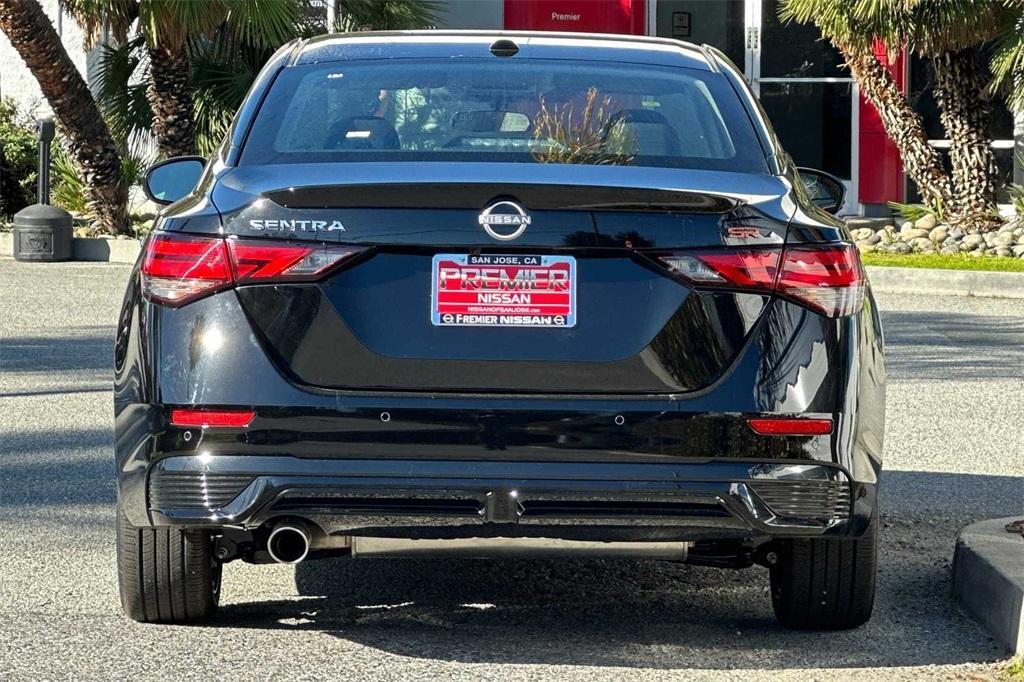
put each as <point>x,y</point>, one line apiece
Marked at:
<point>33,36</point>
<point>902,124</point>
<point>170,96</point>
<point>961,80</point>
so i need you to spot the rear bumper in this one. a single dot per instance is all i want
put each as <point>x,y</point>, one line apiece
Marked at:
<point>712,498</point>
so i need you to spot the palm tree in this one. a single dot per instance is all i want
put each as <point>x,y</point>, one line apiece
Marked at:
<point>171,30</point>
<point>34,37</point>
<point>951,34</point>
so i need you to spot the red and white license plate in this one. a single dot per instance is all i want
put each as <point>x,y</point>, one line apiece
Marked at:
<point>488,290</point>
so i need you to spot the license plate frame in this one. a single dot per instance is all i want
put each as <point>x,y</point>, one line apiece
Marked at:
<point>510,290</point>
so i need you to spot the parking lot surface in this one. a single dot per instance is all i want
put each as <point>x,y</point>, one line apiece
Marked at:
<point>954,454</point>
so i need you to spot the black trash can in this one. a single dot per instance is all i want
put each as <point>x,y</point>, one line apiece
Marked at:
<point>42,233</point>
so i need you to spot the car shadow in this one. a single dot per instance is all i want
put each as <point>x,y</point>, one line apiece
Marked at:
<point>74,348</point>
<point>647,614</point>
<point>939,346</point>
<point>56,468</point>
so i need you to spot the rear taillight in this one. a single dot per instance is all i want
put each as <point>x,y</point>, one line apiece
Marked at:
<point>177,269</point>
<point>829,279</point>
<point>257,262</point>
<point>826,278</point>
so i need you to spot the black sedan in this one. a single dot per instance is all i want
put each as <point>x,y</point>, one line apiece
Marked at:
<point>499,294</point>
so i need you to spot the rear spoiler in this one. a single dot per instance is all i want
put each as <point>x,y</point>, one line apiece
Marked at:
<point>477,195</point>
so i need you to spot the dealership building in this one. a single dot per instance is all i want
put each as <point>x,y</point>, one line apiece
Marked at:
<point>813,103</point>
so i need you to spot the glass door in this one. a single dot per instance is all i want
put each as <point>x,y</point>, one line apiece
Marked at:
<point>810,99</point>
<point>721,23</point>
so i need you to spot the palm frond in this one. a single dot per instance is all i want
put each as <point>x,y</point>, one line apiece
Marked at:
<point>121,92</point>
<point>834,18</point>
<point>926,26</point>
<point>93,15</point>
<point>171,22</point>
<point>935,26</point>
<point>264,23</point>
<point>1008,66</point>
<point>386,15</point>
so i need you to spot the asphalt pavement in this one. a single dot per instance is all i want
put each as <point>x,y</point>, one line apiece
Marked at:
<point>954,454</point>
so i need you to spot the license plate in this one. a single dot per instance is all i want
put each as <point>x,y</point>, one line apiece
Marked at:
<point>503,291</point>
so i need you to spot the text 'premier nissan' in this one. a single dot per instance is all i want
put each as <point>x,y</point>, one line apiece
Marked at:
<point>499,294</point>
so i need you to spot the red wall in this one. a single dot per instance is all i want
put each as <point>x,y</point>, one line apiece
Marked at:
<point>880,174</point>
<point>588,16</point>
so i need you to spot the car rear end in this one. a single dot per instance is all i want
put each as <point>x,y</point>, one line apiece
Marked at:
<point>559,301</point>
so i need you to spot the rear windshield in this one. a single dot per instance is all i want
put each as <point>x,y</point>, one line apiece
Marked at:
<point>528,111</point>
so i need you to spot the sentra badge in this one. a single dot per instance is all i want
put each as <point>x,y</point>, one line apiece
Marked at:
<point>278,225</point>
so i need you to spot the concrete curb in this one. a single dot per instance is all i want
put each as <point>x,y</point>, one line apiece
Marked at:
<point>947,282</point>
<point>102,250</point>
<point>988,579</point>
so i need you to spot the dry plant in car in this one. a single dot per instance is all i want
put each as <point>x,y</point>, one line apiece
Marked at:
<point>596,136</point>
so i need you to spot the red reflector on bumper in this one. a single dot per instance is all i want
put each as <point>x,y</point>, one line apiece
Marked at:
<point>791,426</point>
<point>204,418</point>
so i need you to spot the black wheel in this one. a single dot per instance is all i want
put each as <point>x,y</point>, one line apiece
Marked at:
<point>166,575</point>
<point>825,584</point>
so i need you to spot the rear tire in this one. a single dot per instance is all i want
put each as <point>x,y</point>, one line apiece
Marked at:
<point>166,575</point>
<point>825,584</point>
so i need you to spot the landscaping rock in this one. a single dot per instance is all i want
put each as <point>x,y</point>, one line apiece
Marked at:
<point>1007,241</point>
<point>922,245</point>
<point>926,222</point>
<point>910,235</point>
<point>972,242</point>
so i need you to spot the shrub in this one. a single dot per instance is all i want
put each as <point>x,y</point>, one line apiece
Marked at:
<point>1017,199</point>
<point>593,136</point>
<point>18,158</point>
<point>68,185</point>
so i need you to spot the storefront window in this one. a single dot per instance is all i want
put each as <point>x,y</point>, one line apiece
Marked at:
<point>791,50</point>
<point>814,122</point>
<point>719,23</point>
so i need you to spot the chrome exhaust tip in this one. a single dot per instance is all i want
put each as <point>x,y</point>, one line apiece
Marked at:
<point>288,544</point>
